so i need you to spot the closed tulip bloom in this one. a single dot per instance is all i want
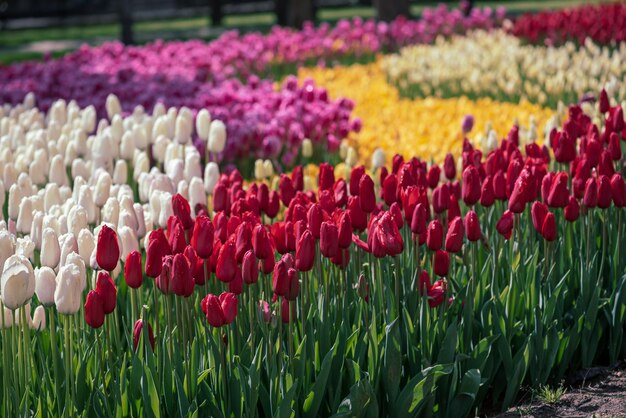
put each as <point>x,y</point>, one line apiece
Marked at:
<point>164,280</point>
<point>454,236</point>
<point>182,282</point>
<point>470,190</point>
<point>329,239</point>
<point>182,211</point>
<point>389,189</point>
<point>355,177</point>
<point>326,177</point>
<point>211,176</point>
<point>261,242</point>
<point>357,216</point>
<point>603,102</point>
<point>273,205</point>
<point>108,250</point>
<point>344,231</point>
<point>604,192</point>
<point>590,198</point>
<point>305,251</point>
<point>434,235</point>
<point>293,284</point>
<point>504,226</point>
<point>86,244</point>
<point>18,281</point>
<point>94,310</point>
<point>442,263</point>
<point>138,329</point>
<point>487,195</point>
<point>67,295</point>
<point>297,178</point>
<point>39,319</point>
<point>572,210</point>
<point>559,194</point>
<point>419,219</point>
<point>618,190</point>
<point>217,136</point>
<point>50,249</point>
<point>157,249</point>
<point>499,185</point>
<point>249,269</point>
<point>472,226</point>
<point>548,229</point>
<point>614,147</point>
<point>220,198</point>
<point>176,236</point>
<point>243,240</point>
<point>437,293</point>
<point>367,194</point>
<point>203,237</point>
<point>538,212</point>
<point>389,235</point>
<point>129,241</point>
<point>132,270</point>
<point>45,285</point>
<point>25,216</point>
<point>449,167</point>
<point>226,262</point>
<point>220,311</point>
<point>107,291</point>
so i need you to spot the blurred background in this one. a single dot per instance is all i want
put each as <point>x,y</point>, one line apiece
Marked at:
<point>37,28</point>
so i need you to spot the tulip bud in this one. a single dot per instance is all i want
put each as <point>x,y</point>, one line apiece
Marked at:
<point>261,242</point>
<point>113,106</point>
<point>378,159</point>
<point>220,311</point>
<point>454,236</point>
<point>329,240</point>
<point>472,226</point>
<point>50,249</point>
<point>449,167</point>
<point>590,198</point>
<point>548,229</point>
<point>39,319</point>
<point>182,282</point>
<point>137,330</point>
<point>604,192</point>
<point>471,186</point>
<point>538,212</point>
<point>217,136</point>
<point>25,216</point>
<point>18,281</point>
<point>603,102</point>
<point>572,210</point>
<point>107,250</point>
<point>442,263</point>
<point>504,226</point>
<point>67,295</point>
<point>367,195</point>
<point>305,251</point>
<point>307,148</point>
<point>45,285</point>
<point>434,235</point>
<point>436,293</point>
<point>107,291</point>
<point>94,310</point>
<point>226,262</point>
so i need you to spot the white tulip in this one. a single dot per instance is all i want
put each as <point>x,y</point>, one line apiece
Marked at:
<point>52,196</point>
<point>141,165</point>
<point>217,136</point>
<point>111,211</point>
<point>68,245</point>
<point>77,219</point>
<point>103,188</point>
<point>67,294</point>
<point>182,131</point>
<point>36,229</point>
<point>378,159</point>
<point>15,198</point>
<point>259,169</point>
<point>45,284</point>
<point>203,124</point>
<point>18,281</point>
<point>193,168</point>
<point>113,106</point>
<point>50,248</point>
<point>120,174</point>
<point>175,170</point>
<point>25,216</point>
<point>211,176</point>
<point>86,200</point>
<point>139,136</point>
<point>197,195</point>
<point>26,247</point>
<point>76,260</point>
<point>165,209</point>
<point>183,189</point>
<point>38,322</point>
<point>127,147</point>
<point>37,171</point>
<point>88,119</point>
<point>268,167</point>
<point>159,148</point>
<point>57,173</point>
<point>129,241</point>
<point>307,148</point>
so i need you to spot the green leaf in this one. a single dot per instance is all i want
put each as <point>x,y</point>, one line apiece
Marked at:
<point>285,409</point>
<point>315,396</point>
<point>150,396</point>
<point>464,400</point>
<point>361,402</point>
<point>392,361</point>
<point>448,347</point>
<point>419,391</point>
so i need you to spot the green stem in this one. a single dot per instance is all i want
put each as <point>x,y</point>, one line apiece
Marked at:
<point>68,366</point>
<point>55,356</point>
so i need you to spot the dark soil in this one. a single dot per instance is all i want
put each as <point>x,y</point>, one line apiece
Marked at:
<point>599,392</point>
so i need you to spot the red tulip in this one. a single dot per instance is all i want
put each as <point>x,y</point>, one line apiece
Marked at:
<point>442,263</point>
<point>548,230</point>
<point>105,288</point>
<point>614,147</point>
<point>293,284</point>
<point>261,242</point>
<point>449,167</point>
<point>424,282</point>
<point>236,285</point>
<point>618,119</point>
<point>132,270</point>
<point>266,266</point>
<point>164,281</point>
<point>396,214</point>
<point>94,310</point>
<point>286,189</point>
<point>604,192</point>
<point>285,308</point>
<point>564,147</point>
<point>327,201</point>
<point>437,293</point>
<point>520,194</point>
<point>220,198</point>
<point>220,311</point>
<point>355,178</point>
<point>538,212</point>
<point>154,257</point>
<point>329,240</point>
<point>572,210</point>
<point>137,329</point>
<point>470,189</point>
<point>389,189</point>
<point>305,252</point>
<point>176,236</point>
<point>357,216</point>
<point>181,279</point>
<point>472,226</point>
<point>243,241</point>
<point>454,236</point>
<point>297,177</point>
<point>434,235</point>
<point>273,206</point>
<point>249,270</point>
<point>389,235</point>
<point>196,266</point>
<point>367,194</point>
<point>504,226</point>
<point>487,195</point>
<point>203,237</point>
<point>326,178</point>
<point>182,210</point>
<point>559,194</point>
<point>108,249</point>
<point>604,103</point>
<point>226,262</point>
<point>340,193</point>
<point>344,238</point>
<point>591,193</point>
<point>499,185</point>
<point>433,176</point>
<point>315,217</point>
<point>618,190</point>
<point>263,196</point>
<point>419,218</point>
<point>280,278</point>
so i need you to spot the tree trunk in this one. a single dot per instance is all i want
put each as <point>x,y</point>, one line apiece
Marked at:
<point>281,8</point>
<point>216,12</point>
<point>125,11</point>
<point>299,12</point>
<point>387,10</point>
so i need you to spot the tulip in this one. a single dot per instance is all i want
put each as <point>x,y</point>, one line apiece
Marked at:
<point>243,240</point>
<point>344,231</point>
<point>67,295</point>
<point>18,281</point>
<point>132,270</point>
<point>449,167</point>
<point>305,251</point>
<point>366,194</point>
<point>436,293</point>
<point>329,240</point>
<point>86,244</point>
<point>182,211</point>
<point>548,230</point>
<point>107,291</point>
<point>164,280</point>
<point>418,219</point>
<point>355,178</point>
<point>39,319</point>
<point>389,236</point>
<point>293,287</point>
<point>217,136</point>
<point>604,192</point>
<point>249,270</point>
<point>226,262</point>
<point>618,190</point>
<point>590,198</point>
<point>286,189</point>
<point>326,178</point>
<point>471,186</point>
<point>158,248</point>
<point>45,285</point>
<point>94,310</point>
<point>434,235</point>
<point>487,194</point>
<point>285,308</point>
<point>472,226</point>
<point>220,311</point>
<point>211,176</point>
<point>572,210</point>
<point>378,159</point>
<point>538,212</point>
<point>182,282</point>
<point>263,311</point>
<point>50,249</point>
<point>558,195</point>
<point>107,250</point>
<point>358,217</point>
<point>454,236</point>
<point>504,226</point>
<point>137,329</point>
<point>603,103</point>
<point>442,263</point>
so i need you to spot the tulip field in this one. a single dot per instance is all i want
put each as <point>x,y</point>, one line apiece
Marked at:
<point>422,218</point>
